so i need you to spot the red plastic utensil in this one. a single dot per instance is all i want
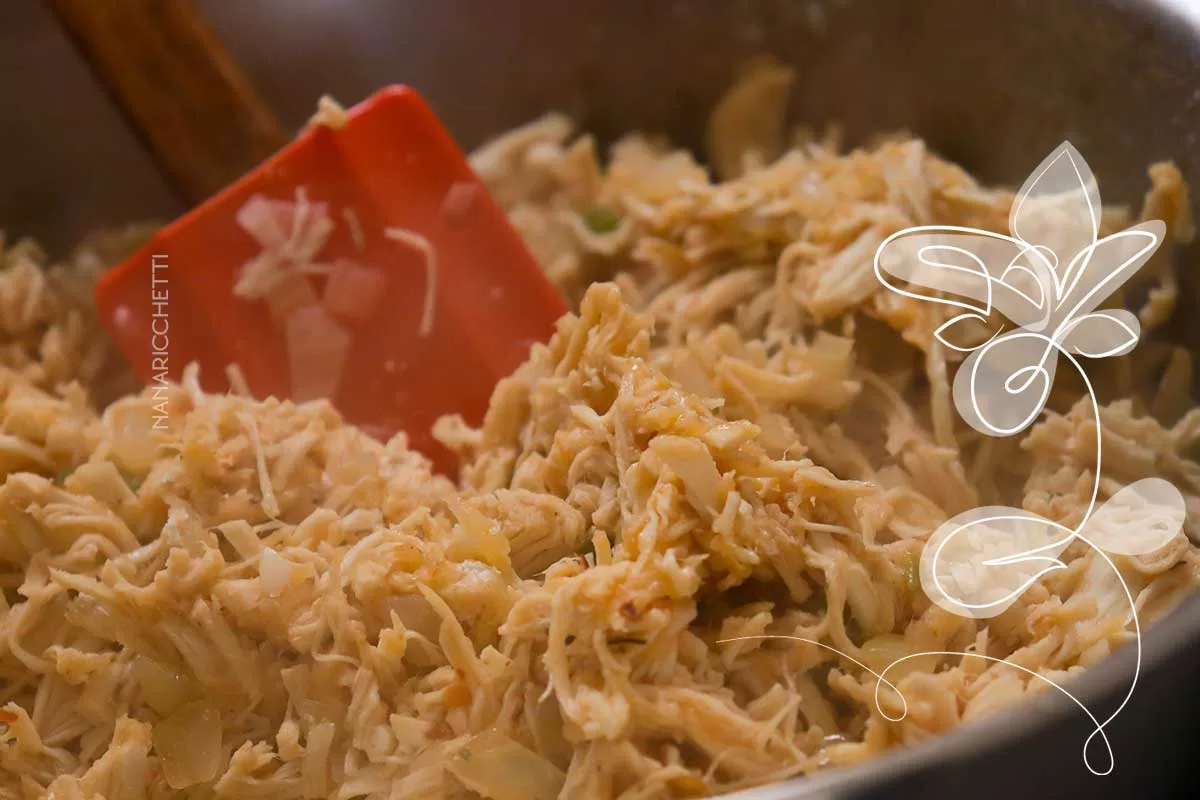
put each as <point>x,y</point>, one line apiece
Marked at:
<point>394,165</point>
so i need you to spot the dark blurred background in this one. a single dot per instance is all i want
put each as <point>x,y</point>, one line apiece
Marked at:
<point>995,84</point>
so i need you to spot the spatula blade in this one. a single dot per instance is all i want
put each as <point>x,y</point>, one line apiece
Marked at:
<point>392,165</point>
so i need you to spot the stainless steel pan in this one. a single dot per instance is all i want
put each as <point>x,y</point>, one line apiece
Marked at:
<point>995,84</point>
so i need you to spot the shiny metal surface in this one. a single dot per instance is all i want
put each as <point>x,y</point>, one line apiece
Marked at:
<point>995,84</point>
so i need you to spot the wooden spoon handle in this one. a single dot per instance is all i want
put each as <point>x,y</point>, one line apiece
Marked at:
<point>178,86</point>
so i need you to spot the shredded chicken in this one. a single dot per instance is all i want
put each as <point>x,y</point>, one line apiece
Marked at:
<point>738,434</point>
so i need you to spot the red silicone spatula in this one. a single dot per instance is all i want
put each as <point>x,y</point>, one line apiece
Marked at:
<point>392,165</point>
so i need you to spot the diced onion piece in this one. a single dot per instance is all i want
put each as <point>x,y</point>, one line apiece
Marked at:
<point>478,540</point>
<point>274,572</point>
<point>315,767</point>
<point>317,349</point>
<point>410,732</point>
<point>547,725</point>
<point>689,373</point>
<point>103,481</point>
<point>458,199</point>
<point>85,613</point>
<point>415,614</point>
<point>163,689</point>
<point>330,113</point>
<point>287,740</point>
<point>473,521</point>
<point>188,743</point>
<point>259,276</point>
<point>496,767</point>
<point>242,537</point>
<point>291,235</point>
<point>290,294</point>
<point>423,246</point>
<point>777,435</point>
<point>693,463</point>
<point>134,439</point>
<point>748,122</point>
<point>266,220</point>
<point>353,292</point>
<point>314,697</point>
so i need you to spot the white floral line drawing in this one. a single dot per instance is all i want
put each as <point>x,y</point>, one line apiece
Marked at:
<point>979,562</point>
<point>880,680</point>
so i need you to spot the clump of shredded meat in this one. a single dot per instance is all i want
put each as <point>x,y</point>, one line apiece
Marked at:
<point>738,433</point>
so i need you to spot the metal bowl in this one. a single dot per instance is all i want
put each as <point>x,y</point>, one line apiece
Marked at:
<point>993,84</point>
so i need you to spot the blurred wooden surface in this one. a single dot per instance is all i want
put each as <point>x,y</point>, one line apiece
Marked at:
<point>183,94</point>
<point>68,161</point>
